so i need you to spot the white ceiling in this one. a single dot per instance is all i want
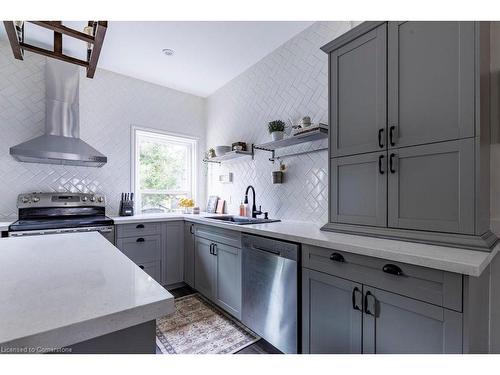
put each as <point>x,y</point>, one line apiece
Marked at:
<point>208,54</point>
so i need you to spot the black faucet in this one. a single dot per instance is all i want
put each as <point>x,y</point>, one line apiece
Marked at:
<point>254,207</point>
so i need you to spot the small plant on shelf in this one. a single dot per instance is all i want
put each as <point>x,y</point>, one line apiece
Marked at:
<point>276,129</point>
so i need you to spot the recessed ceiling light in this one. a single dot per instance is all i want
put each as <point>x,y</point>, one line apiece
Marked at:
<point>168,51</point>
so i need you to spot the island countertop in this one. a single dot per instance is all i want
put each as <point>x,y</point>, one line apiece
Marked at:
<point>63,289</point>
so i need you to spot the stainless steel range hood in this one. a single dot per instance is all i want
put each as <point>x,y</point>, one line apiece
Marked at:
<point>61,143</point>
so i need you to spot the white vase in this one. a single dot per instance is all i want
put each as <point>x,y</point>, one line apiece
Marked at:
<point>277,136</point>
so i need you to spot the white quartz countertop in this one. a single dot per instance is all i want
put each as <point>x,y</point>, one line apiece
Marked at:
<point>467,262</point>
<point>4,225</point>
<point>62,289</point>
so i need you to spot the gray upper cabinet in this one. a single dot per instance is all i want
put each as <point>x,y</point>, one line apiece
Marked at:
<point>424,86</point>
<point>189,254</point>
<point>331,314</point>
<point>204,267</point>
<point>430,82</point>
<point>359,189</point>
<point>431,187</point>
<point>393,324</point>
<point>228,278</point>
<point>358,95</point>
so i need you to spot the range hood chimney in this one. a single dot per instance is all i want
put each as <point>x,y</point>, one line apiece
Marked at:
<point>61,143</point>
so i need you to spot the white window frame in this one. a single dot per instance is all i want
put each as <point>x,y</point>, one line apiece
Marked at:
<point>137,132</point>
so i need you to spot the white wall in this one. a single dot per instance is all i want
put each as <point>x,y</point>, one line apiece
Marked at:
<point>109,104</point>
<point>291,82</point>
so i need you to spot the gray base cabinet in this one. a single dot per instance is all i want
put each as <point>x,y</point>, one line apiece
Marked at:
<point>217,267</point>
<point>174,252</point>
<point>331,324</point>
<point>204,267</point>
<point>156,247</point>
<point>189,254</point>
<point>394,324</point>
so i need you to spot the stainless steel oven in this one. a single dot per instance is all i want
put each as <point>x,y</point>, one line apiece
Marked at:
<point>51,213</point>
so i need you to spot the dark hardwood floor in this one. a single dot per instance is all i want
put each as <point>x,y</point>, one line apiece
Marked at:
<point>259,347</point>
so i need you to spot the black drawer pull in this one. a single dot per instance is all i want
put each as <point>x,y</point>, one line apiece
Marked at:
<point>367,311</point>
<point>392,269</point>
<point>391,161</point>
<point>211,249</point>
<point>140,226</point>
<point>141,267</point>
<point>191,229</point>
<point>214,250</point>
<point>380,141</point>
<point>391,135</point>
<point>380,158</point>
<point>337,257</point>
<point>140,239</point>
<point>354,304</point>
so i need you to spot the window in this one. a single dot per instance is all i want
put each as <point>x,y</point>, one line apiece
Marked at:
<point>164,170</point>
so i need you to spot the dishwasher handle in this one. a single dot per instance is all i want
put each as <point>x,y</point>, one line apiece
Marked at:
<point>266,250</point>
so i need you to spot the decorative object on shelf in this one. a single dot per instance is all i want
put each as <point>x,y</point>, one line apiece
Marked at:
<point>239,146</point>
<point>210,154</point>
<point>196,210</point>
<point>228,156</point>
<point>187,204</point>
<point>222,150</point>
<point>127,204</point>
<point>221,205</point>
<point>276,129</point>
<point>226,178</point>
<point>278,176</point>
<point>93,34</point>
<point>310,128</point>
<point>212,204</point>
<point>306,121</point>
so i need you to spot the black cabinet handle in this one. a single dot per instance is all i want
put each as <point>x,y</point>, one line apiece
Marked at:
<point>391,135</point>
<point>380,170</point>
<point>337,257</point>
<point>380,140</point>
<point>141,267</point>
<point>215,249</point>
<point>140,226</point>
<point>391,167</point>
<point>354,304</point>
<point>367,311</point>
<point>140,239</point>
<point>392,269</point>
<point>191,229</point>
<point>211,249</point>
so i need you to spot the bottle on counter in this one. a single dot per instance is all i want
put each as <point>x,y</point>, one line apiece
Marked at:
<point>242,209</point>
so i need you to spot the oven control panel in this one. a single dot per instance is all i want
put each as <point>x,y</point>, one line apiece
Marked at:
<point>60,200</point>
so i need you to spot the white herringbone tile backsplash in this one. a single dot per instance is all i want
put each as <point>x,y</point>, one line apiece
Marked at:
<point>109,104</point>
<point>291,82</point>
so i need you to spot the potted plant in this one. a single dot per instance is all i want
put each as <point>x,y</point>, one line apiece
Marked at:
<point>276,129</point>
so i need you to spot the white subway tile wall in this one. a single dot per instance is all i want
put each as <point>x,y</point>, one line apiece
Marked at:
<point>109,105</point>
<point>291,82</point>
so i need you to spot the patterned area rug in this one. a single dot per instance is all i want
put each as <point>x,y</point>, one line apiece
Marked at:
<point>199,327</point>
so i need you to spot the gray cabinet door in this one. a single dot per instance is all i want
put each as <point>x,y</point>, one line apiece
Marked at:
<point>189,254</point>
<point>204,267</point>
<point>330,324</point>
<point>393,324</point>
<point>228,278</point>
<point>359,189</point>
<point>430,81</point>
<point>174,252</point>
<point>358,95</point>
<point>431,187</point>
<point>153,269</point>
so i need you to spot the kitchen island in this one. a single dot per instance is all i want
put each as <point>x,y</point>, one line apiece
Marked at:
<point>76,292</point>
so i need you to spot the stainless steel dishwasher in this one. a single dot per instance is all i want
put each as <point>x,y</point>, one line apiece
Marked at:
<point>270,290</point>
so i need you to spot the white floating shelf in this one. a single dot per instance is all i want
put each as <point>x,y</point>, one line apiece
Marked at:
<point>309,136</point>
<point>229,156</point>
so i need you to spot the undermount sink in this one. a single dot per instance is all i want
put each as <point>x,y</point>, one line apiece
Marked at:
<point>241,220</point>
